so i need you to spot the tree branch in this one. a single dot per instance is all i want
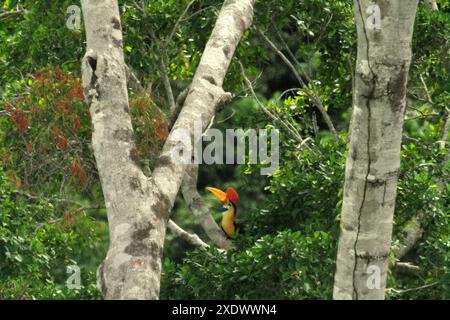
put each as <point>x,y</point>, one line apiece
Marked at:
<point>291,130</point>
<point>407,265</point>
<point>175,27</point>
<point>413,232</point>
<point>415,289</point>
<point>133,82</point>
<point>199,209</point>
<point>191,238</point>
<point>165,76</point>
<point>311,93</point>
<point>178,105</point>
<point>9,14</point>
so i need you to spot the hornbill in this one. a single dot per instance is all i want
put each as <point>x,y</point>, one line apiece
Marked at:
<point>229,199</point>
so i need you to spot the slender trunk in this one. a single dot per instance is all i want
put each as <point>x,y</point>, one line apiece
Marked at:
<point>384,53</point>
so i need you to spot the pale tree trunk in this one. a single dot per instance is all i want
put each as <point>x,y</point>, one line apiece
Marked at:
<point>138,207</point>
<point>384,54</point>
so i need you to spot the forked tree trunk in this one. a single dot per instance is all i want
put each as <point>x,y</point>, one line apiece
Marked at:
<point>138,207</point>
<point>384,54</point>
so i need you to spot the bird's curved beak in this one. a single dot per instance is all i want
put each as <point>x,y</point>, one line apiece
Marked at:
<point>222,196</point>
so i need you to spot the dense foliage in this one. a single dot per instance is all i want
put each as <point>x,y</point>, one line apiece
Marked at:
<point>37,245</point>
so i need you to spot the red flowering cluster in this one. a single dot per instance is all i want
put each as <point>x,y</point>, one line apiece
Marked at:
<point>51,124</point>
<point>47,126</point>
<point>18,118</point>
<point>59,138</point>
<point>76,92</point>
<point>77,170</point>
<point>70,216</point>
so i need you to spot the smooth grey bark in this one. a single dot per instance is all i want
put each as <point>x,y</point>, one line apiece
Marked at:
<point>138,207</point>
<point>373,161</point>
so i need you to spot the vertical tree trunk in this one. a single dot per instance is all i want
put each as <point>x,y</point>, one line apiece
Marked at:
<point>384,53</point>
<point>138,207</point>
<point>131,268</point>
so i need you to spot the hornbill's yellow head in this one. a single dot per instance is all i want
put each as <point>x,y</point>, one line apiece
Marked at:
<point>230,200</point>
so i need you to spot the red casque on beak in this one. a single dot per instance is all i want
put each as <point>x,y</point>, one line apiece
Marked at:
<point>232,195</point>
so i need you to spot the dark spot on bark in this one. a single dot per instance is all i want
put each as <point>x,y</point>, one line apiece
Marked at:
<point>377,183</point>
<point>216,42</point>
<point>211,96</point>
<point>397,90</point>
<point>142,231</point>
<point>126,109</point>
<point>133,155</point>
<point>185,237</point>
<point>138,247</point>
<point>372,256</point>
<point>373,153</point>
<point>135,184</point>
<point>92,63</point>
<point>101,279</point>
<point>243,25</point>
<point>385,6</point>
<point>155,250</point>
<point>210,79</point>
<point>161,207</point>
<point>393,174</point>
<point>165,161</point>
<point>348,227</point>
<point>115,23</point>
<point>377,36</point>
<point>155,265</point>
<point>125,135</point>
<point>353,153</point>
<point>226,51</point>
<point>117,42</point>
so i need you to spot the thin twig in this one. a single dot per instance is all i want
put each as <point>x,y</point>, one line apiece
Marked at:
<point>175,27</point>
<point>427,92</point>
<point>9,14</point>
<point>178,106</point>
<point>198,12</point>
<point>311,93</point>
<point>290,129</point>
<point>415,289</point>
<point>165,76</point>
<point>407,265</point>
